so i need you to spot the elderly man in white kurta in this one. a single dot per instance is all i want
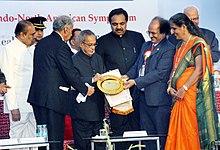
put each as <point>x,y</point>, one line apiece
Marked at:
<point>17,65</point>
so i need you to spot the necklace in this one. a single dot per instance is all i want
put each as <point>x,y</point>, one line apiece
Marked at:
<point>179,55</point>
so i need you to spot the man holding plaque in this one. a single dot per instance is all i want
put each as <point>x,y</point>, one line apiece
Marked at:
<point>88,112</point>
<point>150,74</point>
<point>119,50</point>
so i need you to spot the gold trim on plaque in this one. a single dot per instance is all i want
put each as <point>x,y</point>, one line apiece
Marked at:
<point>123,109</point>
<point>111,85</point>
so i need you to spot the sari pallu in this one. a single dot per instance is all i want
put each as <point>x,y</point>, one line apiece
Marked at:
<point>209,128</point>
<point>193,123</point>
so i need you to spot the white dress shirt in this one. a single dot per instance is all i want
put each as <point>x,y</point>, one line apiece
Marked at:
<point>17,65</point>
<point>72,49</point>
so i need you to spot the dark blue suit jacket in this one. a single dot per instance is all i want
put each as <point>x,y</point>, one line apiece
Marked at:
<point>157,72</point>
<point>213,42</point>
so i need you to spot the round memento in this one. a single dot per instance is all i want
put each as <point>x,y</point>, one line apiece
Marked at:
<point>110,85</point>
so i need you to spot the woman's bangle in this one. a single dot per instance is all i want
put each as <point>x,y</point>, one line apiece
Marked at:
<point>185,88</point>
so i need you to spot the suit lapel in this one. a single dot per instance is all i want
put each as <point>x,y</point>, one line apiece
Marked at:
<point>157,47</point>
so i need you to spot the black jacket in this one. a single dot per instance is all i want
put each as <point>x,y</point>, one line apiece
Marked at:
<point>120,52</point>
<point>87,67</point>
<point>53,68</point>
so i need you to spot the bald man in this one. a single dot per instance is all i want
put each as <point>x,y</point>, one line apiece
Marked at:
<point>17,65</point>
<point>193,14</point>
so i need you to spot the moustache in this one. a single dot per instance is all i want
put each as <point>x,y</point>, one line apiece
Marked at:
<point>119,29</point>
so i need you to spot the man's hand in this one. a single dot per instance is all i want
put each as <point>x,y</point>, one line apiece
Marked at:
<point>91,90</point>
<point>97,77</point>
<point>124,77</point>
<point>3,88</point>
<point>16,116</point>
<point>129,83</point>
<point>172,92</point>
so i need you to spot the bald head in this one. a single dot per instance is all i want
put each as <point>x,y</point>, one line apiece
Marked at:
<point>193,14</point>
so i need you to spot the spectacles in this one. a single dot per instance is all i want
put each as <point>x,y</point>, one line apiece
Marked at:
<point>153,33</point>
<point>90,44</point>
<point>194,19</point>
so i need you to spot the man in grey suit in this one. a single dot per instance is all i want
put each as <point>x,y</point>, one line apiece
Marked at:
<point>150,75</point>
<point>53,74</point>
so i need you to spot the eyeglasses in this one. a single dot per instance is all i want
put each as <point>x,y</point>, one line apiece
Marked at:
<point>194,19</point>
<point>90,44</point>
<point>153,33</point>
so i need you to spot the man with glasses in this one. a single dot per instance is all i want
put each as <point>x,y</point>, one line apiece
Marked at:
<point>150,75</point>
<point>88,115</point>
<point>119,50</point>
<point>193,14</point>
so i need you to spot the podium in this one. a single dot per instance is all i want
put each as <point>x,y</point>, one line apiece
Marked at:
<point>113,140</point>
<point>24,143</point>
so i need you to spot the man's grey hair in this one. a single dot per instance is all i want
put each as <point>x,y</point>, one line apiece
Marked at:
<point>84,33</point>
<point>189,8</point>
<point>62,21</point>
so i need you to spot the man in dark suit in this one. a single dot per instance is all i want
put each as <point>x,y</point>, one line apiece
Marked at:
<point>119,49</point>
<point>53,74</point>
<point>73,41</point>
<point>150,75</point>
<point>193,14</point>
<point>88,115</point>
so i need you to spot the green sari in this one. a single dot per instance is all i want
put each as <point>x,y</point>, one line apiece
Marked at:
<point>206,109</point>
<point>207,115</point>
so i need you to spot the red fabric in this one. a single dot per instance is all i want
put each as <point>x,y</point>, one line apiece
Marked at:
<point>218,100</point>
<point>68,133</point>
<point>4,122</point>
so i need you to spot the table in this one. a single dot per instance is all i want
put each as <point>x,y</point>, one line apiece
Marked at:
<point>124,139</point>
<point>25,145</point>
<point>216,146</point>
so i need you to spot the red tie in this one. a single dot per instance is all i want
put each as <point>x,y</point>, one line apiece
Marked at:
<point>152,48</point>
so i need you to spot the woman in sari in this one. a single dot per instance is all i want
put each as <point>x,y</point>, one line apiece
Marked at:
<point>194,121</point>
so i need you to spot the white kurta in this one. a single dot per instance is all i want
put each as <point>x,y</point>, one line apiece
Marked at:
<point>17,65</point>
